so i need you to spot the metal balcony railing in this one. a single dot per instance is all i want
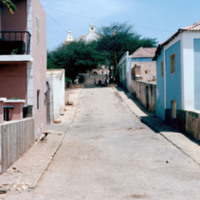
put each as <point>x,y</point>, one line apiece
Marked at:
<point>14,42</point>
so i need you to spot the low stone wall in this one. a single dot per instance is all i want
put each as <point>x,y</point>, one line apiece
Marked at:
<point>76,86</point>
<point>73,86</point>
<point>186,121</point>
<point>16,137</point>
<point>145,92</point>
<point>192,126</point>
<point>90,79</point>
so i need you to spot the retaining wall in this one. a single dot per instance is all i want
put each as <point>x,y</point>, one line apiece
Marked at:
<point>186,121</point>
<point>145,92</point>
<point>193,124</point>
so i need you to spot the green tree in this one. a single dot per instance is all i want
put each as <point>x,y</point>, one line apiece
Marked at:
<point>79,57</point>
<point>50,61</point>
<point>9,4</point>
<point>119,38</point>
<point>75,58</point>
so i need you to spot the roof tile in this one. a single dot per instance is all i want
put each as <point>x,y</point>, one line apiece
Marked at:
<point>193,27</point>
<point>144,53</point>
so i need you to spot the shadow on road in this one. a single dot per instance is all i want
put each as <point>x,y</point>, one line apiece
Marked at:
<point>156,124</point>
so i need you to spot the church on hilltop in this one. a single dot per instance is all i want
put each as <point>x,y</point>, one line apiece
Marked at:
<point>69,38</point>
<point>91,36</point>
<point>102,72</point>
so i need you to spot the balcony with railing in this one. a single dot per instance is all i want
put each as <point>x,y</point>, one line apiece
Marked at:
<point>15,42</point>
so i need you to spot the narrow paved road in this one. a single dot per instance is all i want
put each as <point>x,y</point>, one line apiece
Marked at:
<point>108,154</point>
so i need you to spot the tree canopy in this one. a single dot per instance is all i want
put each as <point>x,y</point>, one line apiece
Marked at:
<point>119,38</point>
<point>75,58</point>
<point>79,57</point>
<point>9,4</point>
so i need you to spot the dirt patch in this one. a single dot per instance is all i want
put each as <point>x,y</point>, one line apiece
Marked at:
<point>137,196</point>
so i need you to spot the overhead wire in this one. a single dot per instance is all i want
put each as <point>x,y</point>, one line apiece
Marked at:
<point>92,18</point>
<point>55,21</point>
<point>74,14</point>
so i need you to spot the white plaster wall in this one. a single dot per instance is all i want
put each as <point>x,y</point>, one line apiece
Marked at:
<point>57,87</point>
<point>188,69</point>
<point>128,72</point>
<point>59,95</point>
<point>128,75</point>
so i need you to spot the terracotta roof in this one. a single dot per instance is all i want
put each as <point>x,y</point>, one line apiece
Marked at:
<point>144,53</point>
<point>193,27</point>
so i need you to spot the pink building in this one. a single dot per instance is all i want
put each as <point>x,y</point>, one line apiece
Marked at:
<point>23,60</point>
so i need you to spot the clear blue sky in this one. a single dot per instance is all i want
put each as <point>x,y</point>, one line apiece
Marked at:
<point>150,18</point>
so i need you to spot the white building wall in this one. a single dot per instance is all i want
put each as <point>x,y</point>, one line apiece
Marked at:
<point>56,80</point>
<point>59,96</point>
<point>128,72</point>
<point>188,69</point>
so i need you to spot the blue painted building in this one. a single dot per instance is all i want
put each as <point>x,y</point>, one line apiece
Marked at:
<point>140,56</point>
<point>178,73</point>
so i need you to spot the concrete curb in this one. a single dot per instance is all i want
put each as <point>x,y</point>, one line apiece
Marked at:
<point>26,172</point>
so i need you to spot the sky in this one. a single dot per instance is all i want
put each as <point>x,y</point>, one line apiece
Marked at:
<point>150,18</point>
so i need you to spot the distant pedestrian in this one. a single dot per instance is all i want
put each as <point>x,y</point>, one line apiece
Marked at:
<point>106,83</point>
<point>99,82</point>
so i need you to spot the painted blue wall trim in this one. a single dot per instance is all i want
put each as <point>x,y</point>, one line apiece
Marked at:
<point>173,81</point>
<point>141,59</point>
<point>197,74</point>
<point>160,101</point>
